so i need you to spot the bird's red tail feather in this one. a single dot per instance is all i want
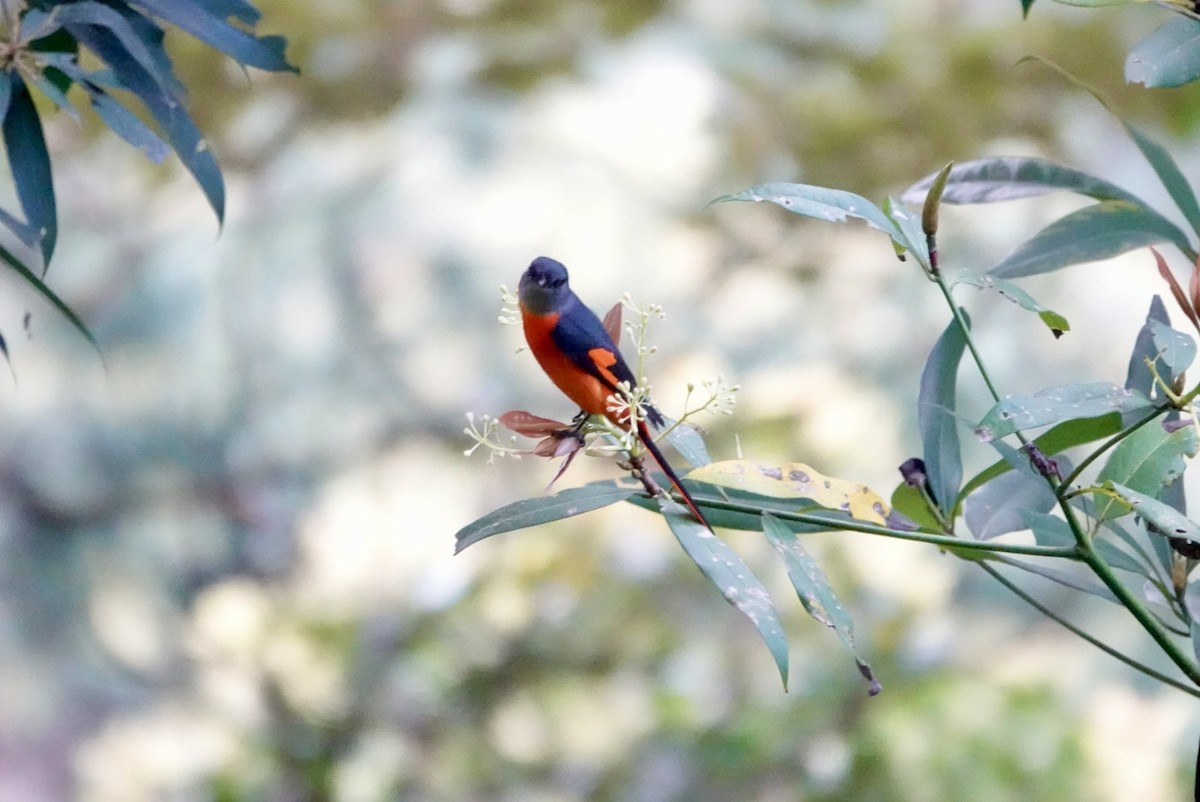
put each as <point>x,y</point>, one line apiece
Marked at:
<point>648,441</point>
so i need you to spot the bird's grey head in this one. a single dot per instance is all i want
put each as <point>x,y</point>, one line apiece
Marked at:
<point>542,285</point>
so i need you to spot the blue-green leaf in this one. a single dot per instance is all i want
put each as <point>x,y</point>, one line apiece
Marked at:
<point>821,203</point>
<point>265,53</point>
<point>1049,530</point>
<point>1000,506</point>
<point>1067,434</point>
<point>1166,520</point>
<point>1054,404</point>
<point>1054,321</point>
<point>169,113</point>
<point>30,164</point>
<point>1093,233</point>
<point>1004,178</point>
<point>533,511</point>
<point>936,418</point>
<point>1174,349</point>
<point>689,443</point>
<point>1169,174</point>
<point>1139,377</point>
<point>907,232</point>
<point>1168,57</point>
<point>815,592</point>
<point>126,124</point>
<point>1081,583</point>
<point>737,583</point>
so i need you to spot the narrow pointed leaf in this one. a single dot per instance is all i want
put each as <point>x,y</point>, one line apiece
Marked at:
<point>1100,231</point>
<point>821,203</point>
<point>730,574</point>
<point>1054,404</point>
<point>1168,57</point>
<point>1011,177</point>
<point>1057,576</point>
<point>1118,558</point>
<point>1168,173</point>
<point>937,419</point>
<point>111,30</point>
<point>127,125</point>
<point>533,511</point>
<point>49,294</point>
<point>30,164</point>
<point>815,592</point>
<point>1054,321</point>
<point>1146,461</point>
<point>168,111</point>
<point>265,53</point>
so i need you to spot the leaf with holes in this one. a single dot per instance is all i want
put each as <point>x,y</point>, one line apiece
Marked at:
<point>730,574</point>
<point>799,481</point>
<point>1054,404</point>
<point>815,592</point>
<point>1146,461</point>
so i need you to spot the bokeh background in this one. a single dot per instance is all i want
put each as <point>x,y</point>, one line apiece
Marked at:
<point>226,550</point>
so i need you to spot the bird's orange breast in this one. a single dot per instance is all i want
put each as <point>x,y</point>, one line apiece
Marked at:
<point>576,383</point>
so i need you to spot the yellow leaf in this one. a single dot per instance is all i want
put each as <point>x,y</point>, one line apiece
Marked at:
<point>796,480</point>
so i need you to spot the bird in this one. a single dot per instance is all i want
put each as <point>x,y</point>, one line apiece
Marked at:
<point>577,353</point>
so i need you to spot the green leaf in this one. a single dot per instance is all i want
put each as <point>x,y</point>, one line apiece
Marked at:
<point>1168,57</point>
<point>737,583</point>
<point>533,511</point>
<point>1005,178</point>
<point>1054,321</point>
<point>1067,434</point>
<point>1025,6</point>
<point>1093,233</point>
<point>1063,402</point>
<point>815,592</point>
<point>936,419</point>
<point>1000,506</point>
<point>908,501</point>
<point>821,203</point>
<point>1146,461</point>
<point>1166,520</point>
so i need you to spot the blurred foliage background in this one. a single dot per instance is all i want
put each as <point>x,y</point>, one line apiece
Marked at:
<point>226,565</point>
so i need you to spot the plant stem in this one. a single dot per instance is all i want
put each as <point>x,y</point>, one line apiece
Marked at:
<point>1104,647</point>
<point>1128,600</point>
<point>852,525</point>
<point>1106,445</point>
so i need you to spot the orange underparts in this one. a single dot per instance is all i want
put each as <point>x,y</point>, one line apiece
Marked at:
<point>576,383</point>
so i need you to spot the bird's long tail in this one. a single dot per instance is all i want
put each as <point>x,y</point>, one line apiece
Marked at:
<point>648,441</point>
